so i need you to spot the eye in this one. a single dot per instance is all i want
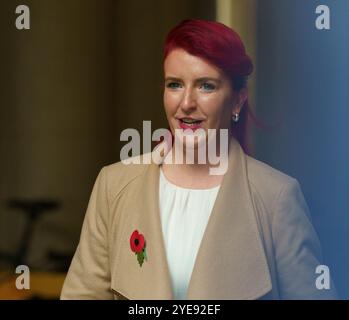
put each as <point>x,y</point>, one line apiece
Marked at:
<point>206,86</point>
<point>173,85</point>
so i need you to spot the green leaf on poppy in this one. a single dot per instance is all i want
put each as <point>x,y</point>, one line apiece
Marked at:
<point>145,254</point>
<point>140,258</point>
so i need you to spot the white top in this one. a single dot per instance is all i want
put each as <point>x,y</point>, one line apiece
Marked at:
<point>184,216</point>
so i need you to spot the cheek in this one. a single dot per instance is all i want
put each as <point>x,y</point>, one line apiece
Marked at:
<point>215,107</point>
<point>170,102</point>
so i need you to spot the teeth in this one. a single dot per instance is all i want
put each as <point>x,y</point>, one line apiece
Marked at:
<point>189,121</point>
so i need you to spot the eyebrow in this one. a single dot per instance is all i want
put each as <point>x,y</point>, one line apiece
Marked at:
<point>202,79</point>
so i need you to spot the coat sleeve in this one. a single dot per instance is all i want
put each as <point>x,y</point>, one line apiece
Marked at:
<point>297,247</point>
<point>89,273</point>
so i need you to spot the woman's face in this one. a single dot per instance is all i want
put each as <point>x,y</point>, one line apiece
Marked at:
<point>198,91</point>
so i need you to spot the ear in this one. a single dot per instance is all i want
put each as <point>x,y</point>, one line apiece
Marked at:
<point>240,100</point>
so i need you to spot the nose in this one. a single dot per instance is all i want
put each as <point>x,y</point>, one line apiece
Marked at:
<point>188,102</point>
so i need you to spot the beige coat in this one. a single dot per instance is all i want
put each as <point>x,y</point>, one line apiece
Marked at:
<point>259,241</point>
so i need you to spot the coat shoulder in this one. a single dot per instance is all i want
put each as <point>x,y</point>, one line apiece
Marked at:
<point>120,174</point>
<point>266,181</point>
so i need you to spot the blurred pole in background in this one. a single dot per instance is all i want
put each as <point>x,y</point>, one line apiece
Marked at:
<point>242,17</point>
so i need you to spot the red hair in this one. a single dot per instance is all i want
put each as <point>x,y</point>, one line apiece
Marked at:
<point>222,47</point>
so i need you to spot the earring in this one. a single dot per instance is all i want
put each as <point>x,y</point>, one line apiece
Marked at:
<point>235,117</point>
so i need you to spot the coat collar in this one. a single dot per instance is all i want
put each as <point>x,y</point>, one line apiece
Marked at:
<point>231,262</point>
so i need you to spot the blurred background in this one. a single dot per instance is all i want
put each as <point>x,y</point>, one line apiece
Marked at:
<point>88,69</point>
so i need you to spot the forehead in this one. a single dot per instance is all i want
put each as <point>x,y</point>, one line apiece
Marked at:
<point>180,63</point>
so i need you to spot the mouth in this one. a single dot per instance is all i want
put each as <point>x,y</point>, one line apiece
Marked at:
<point>190,123</point>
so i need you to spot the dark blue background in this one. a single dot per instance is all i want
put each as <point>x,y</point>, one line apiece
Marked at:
<point>303,91</point>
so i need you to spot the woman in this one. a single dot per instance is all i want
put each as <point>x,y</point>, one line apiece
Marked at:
<point>174,231</point>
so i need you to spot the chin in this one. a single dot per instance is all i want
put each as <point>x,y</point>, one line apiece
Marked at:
<point>194,144</point>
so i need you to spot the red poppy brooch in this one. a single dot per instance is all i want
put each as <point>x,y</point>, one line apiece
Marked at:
<point>137,243</point>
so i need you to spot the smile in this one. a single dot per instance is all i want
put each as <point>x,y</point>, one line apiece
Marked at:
<point>188,123</point>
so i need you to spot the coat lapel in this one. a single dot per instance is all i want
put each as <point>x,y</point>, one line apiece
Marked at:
<point>231,262</point>
<point>152,279</point>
